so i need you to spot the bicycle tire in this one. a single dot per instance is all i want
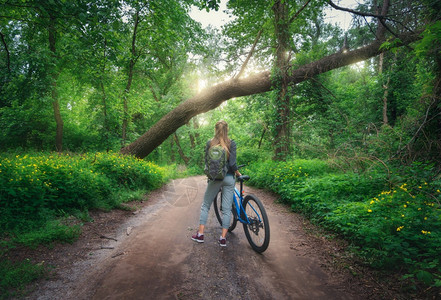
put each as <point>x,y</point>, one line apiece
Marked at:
<point>218,211</point>
<point>257,232</point>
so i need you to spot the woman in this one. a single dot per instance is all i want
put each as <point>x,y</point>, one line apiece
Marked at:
<point>227,184</point>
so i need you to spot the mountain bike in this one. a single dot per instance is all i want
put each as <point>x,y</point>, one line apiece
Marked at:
<point>250,212</point>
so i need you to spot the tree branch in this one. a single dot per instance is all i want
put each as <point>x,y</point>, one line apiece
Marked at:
<point>242,69</point>
<point>298,12</point>
<point>419,128</point>
<point>381,24</point>
<point>381,18</point>
<point>359,13</point>
<point>153,93</point>
<point>8,60</point>
<point>211,98</point>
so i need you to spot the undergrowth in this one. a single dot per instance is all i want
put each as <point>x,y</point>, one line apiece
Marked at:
<point>392,217</point>
<point>45,197</point>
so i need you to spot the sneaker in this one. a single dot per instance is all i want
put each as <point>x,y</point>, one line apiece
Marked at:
<point>222,242</point>
<point>198,238</point>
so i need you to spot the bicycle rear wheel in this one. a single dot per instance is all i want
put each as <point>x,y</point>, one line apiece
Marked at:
<point>257,230</point>
<point>218,210</point>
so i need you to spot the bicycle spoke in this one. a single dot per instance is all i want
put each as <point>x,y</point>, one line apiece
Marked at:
<point>257,228</point>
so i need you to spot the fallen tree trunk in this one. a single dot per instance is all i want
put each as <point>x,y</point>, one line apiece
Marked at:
<point>214,96</point>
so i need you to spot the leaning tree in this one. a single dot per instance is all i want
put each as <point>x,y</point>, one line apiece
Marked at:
<point>214,96</point>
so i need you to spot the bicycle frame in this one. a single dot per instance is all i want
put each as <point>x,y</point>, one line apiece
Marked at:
<point>239,207</point>
<point>255,224</point>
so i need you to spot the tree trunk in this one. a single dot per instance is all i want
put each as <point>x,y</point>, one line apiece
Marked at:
<point>196,127</point>
<point>433,127</point>
<point>437,110</point>
<point>380,63</point>
<point>261,137</point>
<point>105,115</point>
<point>381,29</point>
<point>191,137</point>
<point>54,92</point>
<point>386,106</point>
<point>181,153</point>
<point>283,107</point>
<point>172,152</point>
<point>385,94</point>
<point>212,97</point>
<point>132,62</point>
<point>58,118</point>
<point>8,56</point>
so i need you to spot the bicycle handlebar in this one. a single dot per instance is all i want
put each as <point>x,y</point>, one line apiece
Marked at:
<point>242,178</point>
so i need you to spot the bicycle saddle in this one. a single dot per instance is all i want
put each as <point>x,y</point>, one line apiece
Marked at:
<point>243,178</point>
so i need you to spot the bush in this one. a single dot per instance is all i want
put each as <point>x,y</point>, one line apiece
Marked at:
<point>127,171</point>
<point>277,175</point>
<point>249,156</point>
<point>38,188</point>
<point>393,221</point>
<point>40,191</point>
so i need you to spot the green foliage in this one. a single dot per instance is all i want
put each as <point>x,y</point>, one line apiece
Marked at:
<point>14,276</point>
<point>208,4</point>
<point>125,195</point>
<point>45,197</point>
<point>285,173</point>
<point>337,114</point>
<point>393,220</point>
<point>127,171</point>
<point>431,40</point>
<point>249,156</point>
<point>26,125</point>
<point>35,188</point>
<point>52,231</point>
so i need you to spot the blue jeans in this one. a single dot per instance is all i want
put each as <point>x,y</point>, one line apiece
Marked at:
<point>213,188</point>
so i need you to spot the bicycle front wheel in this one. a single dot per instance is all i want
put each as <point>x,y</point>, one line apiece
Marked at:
<point>257,230</point>
<point>218,211</point>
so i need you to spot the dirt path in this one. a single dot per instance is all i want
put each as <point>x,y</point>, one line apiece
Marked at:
<point>154,258</point>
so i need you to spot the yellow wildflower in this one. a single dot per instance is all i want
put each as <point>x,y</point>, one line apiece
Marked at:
<point>399,228</point>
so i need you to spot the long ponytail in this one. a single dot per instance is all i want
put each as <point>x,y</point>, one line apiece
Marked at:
<point>221,136</point>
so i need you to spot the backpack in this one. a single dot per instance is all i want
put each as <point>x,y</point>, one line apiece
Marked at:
<point>216,166</point>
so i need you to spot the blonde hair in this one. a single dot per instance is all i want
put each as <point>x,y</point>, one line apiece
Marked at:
<point>221,136</point>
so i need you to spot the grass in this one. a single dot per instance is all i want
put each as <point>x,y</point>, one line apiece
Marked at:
<point>45,197</point>
<point>15,276</point>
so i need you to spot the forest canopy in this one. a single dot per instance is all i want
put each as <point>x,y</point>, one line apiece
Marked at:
<point>144,77</point>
